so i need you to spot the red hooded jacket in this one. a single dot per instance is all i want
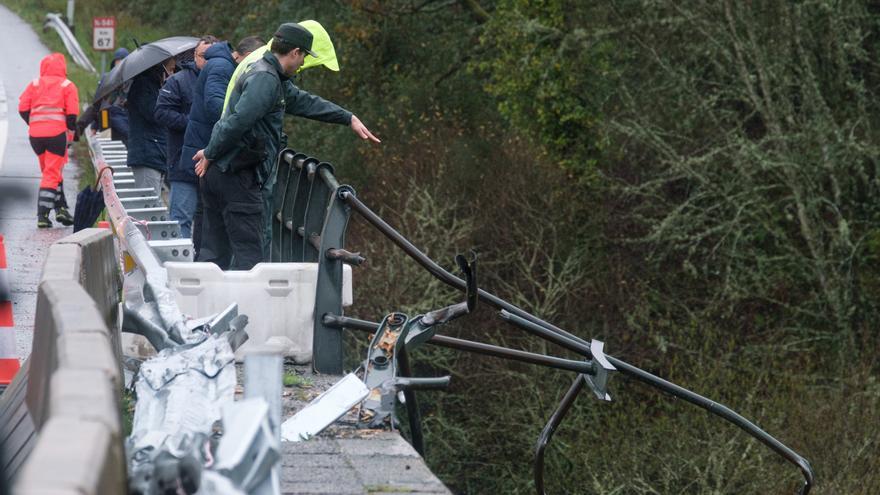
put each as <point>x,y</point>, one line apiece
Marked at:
<point>50,103</point>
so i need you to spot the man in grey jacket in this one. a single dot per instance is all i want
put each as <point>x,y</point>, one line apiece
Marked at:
<point>241,155</point>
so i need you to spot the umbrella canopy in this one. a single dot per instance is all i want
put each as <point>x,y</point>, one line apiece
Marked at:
<point>142,59</point>
<point>89,205</point>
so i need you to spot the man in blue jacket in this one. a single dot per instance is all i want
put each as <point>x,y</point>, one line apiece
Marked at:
<point>207,105</point>
<point>244,146</point>
<point>172,111</point>
<point>146,143</point>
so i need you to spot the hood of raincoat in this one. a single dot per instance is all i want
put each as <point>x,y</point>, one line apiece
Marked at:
<point>53,65</point>
<point>322,47</point>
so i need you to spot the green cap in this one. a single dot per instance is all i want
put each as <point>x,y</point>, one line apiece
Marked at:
<point>296,35</point>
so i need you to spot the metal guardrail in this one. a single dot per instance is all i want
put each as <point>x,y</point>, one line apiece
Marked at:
<point>309,220</point>
<point>170,328</point>
<point>76,52</point>
<point>189,385</point>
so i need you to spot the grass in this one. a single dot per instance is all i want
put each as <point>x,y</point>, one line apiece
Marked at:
<point>294,380</point>
<point>387,489</point>
<point>127,412</point>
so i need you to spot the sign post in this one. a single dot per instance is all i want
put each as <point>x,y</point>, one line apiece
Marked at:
<point>104,37</point>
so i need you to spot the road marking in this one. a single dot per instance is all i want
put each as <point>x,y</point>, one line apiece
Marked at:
<point>4,124</point>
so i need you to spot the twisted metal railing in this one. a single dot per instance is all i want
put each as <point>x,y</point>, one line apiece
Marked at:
<point>309,220</point>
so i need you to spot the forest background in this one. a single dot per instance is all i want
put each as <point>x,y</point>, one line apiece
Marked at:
<point>691,182</point>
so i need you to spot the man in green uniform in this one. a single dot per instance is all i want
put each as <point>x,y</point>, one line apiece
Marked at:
<point>241,155</point>
<point>322,55</point>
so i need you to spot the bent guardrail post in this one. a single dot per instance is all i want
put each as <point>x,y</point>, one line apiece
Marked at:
<point>323,185</point>
<point>289,217</point>
<point>327,348</point>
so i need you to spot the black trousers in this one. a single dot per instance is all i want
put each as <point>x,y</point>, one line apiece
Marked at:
<point>232,223</point>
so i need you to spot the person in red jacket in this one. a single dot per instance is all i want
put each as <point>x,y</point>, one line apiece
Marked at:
<point>49,105</point>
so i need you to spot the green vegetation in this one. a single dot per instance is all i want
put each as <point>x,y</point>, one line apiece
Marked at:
<point>294,380</point>
<point>127,411</point>
<point>691,182</point>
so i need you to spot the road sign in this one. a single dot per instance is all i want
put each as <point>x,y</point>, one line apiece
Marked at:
<point>104,33</point>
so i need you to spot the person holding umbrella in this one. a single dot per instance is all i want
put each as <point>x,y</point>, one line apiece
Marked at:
<point>146,68</point>
<point>146,140</point>
<point>49,105</point>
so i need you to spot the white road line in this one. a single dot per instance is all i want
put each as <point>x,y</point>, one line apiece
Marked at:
<point>4,123</point>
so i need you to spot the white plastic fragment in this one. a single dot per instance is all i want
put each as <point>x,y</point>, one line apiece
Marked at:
<point>325,409</point>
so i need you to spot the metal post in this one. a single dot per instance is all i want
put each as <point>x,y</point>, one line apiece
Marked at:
<point>316,213</point>
<point>70,9</point>
<point>550,429</point>
<point>263,369</point>
<point>412,403</point>
<point>103,63</point>
<point>327,352</point>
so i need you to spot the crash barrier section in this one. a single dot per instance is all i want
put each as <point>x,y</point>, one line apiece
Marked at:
<point>60,419</point>
<point>9,364</point>
<point>309,218</point>
<point>277,297</point>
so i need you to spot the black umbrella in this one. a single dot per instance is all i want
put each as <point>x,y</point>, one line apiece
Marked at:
<point>142,59</point>
<point>89,205</point>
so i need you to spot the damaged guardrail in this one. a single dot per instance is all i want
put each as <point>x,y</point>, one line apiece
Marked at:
<point>310,216</point>
<point>76,52</point>
<point>188,434</point>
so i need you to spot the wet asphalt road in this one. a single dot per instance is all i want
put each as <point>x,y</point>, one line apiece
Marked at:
<point>26,246</point>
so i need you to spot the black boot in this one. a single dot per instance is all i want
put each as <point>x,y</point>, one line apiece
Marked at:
<point>61,214</point>
<point>45,202</point>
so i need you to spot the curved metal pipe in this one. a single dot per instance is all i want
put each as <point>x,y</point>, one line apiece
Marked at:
<point>412,404</point>
<point>582,347</point>
<point>550,428</point>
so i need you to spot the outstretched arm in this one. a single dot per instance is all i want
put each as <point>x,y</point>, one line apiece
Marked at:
<point>304,104</point>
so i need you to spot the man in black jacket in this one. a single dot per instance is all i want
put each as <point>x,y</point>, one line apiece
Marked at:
<point>146,142</point>
<point>244,145</point>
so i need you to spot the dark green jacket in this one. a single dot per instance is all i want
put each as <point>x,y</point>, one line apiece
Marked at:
<point>259,100</point>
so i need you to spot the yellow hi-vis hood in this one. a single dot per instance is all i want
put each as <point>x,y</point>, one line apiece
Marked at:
<point>322,46</point>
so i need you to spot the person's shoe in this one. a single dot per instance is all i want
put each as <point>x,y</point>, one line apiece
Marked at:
<point>63,216</point>
<point>43,222</point>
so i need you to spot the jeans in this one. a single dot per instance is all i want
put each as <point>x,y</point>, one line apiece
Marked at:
<point>184,196</point>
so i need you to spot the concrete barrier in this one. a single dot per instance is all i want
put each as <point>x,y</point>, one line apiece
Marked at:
<point>60,420</point>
